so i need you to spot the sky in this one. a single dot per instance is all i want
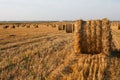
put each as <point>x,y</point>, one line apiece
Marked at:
<point>44,10</point>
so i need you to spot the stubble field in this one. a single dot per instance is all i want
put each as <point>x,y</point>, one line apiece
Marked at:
<point>45,53</point>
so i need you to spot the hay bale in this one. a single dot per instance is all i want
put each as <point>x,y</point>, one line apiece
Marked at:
<point>17,25</point>
<point>22,25</point>
<point>69,28</point>
<point>98,36</point>
<point>106,37</point>
<point>78,25</point>
<point>77,40</point>
<point>57,26</point>
<point>5,27</point>
<point>119,27</point>
<point>88,36</point>
<point>83,38</point>
<point>92,37</point>
<point>53,25</point>
<point>12,26</point>
<point>36,26</point>
<point>47,25</point>
<point>77,36</point>
<point>60,27</point>
<point>27,26</point>
<point>64,26</point>
<point>73,27</point>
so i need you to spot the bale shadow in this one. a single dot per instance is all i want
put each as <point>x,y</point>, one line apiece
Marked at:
<point>115,53</point>
<point>12,35</point>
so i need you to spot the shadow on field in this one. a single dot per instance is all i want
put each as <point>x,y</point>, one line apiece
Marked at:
<point>115,53</point>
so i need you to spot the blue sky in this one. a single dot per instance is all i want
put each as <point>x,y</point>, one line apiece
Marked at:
<point>59,9</point>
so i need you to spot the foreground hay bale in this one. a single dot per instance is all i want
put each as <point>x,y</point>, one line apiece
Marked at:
<point>98,36</point>
<point>77,36</point>
<point>88,35</point>
<point>92,37</point>
<point>106,37</point>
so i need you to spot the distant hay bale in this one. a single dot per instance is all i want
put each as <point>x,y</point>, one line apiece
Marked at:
<point>39,25</point>
<point>36,26</point>
<point>12,26</point>
<point>47,25</point>
<point>92,37</point>
<point>5,27</point>
<point>23,25</point>
<point>73,27</point>
<point>27,26</point>
<point>69,28</point>
<point>60,27</point>
<point>57,26</point>
<point>64,27</point>
<point>54,25</point>
<point>119,27</point>
<point>17,25</point>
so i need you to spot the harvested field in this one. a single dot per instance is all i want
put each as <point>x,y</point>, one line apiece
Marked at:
<point>45,53</point>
